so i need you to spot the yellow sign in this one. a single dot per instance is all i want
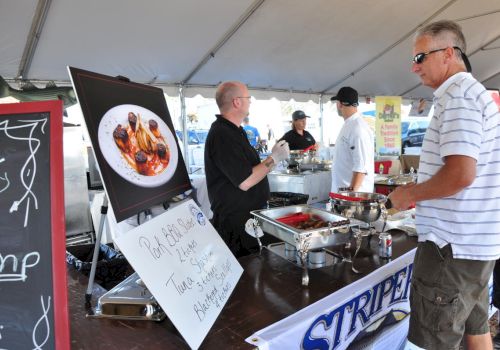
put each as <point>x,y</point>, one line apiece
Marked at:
<point>388,125</point>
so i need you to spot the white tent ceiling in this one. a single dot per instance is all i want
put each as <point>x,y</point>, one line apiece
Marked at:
<point>276,46</point>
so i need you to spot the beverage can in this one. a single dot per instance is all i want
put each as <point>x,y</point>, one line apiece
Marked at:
<point>385,245</point>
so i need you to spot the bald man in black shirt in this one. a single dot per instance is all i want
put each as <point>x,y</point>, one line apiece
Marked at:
<point>236,178</point>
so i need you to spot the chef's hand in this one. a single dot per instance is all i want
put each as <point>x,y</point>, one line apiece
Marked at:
<point>280,151</point>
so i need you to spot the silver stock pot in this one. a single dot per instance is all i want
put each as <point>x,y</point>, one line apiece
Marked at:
<point>364,206</point>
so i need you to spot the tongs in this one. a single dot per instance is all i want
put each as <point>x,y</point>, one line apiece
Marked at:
<point>334,195</point>
<point>293,218</point>
<point>307,149</point>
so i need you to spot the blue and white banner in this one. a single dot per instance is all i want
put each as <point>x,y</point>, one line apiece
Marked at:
<point>350,314</point>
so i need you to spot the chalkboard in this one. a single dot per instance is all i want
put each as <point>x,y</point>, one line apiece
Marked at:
<point>33,290</point>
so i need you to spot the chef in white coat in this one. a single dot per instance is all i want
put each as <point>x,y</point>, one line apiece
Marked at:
<point>354,148</point>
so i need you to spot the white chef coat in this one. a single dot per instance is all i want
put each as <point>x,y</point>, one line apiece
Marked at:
<point>354,151</point>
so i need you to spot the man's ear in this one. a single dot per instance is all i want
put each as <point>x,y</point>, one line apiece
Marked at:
<point>449,53</point>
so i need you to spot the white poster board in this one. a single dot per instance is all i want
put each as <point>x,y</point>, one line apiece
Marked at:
<point>185,265</point>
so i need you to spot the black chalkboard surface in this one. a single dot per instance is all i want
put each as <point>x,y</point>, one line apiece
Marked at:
<point>33,291</point>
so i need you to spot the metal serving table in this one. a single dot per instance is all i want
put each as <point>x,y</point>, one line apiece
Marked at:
<point>316,184</point>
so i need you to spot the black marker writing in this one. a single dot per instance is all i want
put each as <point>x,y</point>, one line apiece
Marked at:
<point>156,249</point>
<point>181,286</point>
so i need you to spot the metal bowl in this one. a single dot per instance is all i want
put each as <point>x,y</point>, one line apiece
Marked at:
<point>299,156</point>
<point>368,209</point>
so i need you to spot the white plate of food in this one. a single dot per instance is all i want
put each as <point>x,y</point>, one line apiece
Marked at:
<point>138,145</point>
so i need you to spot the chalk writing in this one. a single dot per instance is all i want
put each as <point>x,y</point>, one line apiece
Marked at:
<point>28,170</point>
<point>1,327</point>
<point>29,260</point>
<point>6,182</point>
<point>42,321</point>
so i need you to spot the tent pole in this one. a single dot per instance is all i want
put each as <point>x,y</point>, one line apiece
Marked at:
<point>321,119</point>
<point>182,99</point>
<point>41,12</point>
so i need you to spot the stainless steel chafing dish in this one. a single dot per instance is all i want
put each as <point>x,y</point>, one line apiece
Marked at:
<point>337,233</point>
<point>129,300</point>
<point>316,238</point>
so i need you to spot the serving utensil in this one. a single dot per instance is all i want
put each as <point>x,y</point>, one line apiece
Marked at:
<point>307,149</point>
<point>364,206</point>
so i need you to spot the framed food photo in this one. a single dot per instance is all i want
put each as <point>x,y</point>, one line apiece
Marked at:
<point>133,139</point>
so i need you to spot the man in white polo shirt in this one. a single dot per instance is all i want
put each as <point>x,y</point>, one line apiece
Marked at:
<point>457,206</point>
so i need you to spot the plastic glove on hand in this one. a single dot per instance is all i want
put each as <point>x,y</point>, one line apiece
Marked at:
<point>280,151</point>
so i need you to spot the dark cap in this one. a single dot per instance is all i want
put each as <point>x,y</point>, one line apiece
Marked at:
<point>347,95</point>
<point>299,115</point>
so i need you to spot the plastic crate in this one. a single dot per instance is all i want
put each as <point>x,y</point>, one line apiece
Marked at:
<point>283,199</point>
<point>111,269</point>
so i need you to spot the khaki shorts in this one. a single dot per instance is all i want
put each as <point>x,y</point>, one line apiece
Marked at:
<point>449,297</point>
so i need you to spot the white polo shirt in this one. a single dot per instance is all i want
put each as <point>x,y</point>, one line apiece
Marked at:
<point>466,122</point>
<point>354,151</point>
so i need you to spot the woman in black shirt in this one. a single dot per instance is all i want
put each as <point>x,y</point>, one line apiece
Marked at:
<point>298,138</point>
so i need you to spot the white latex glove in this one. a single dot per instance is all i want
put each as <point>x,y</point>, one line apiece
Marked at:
<point>280,151</point>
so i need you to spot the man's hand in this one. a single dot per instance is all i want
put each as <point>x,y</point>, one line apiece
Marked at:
<point>280,151</point>
<point>401,197</point>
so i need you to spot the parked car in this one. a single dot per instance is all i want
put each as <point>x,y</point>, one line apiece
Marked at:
<point>412,132</point>
<point>195,136</point>
<point>196,148</point>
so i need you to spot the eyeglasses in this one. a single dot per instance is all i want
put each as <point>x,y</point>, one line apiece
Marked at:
<point>420,57</point>
<point>248,97</point>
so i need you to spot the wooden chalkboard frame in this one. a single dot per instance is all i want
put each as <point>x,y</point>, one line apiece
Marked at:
<point>58,231</point>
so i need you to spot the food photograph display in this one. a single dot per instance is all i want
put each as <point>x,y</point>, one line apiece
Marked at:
<point>133,141</point>
<point>138,145</point>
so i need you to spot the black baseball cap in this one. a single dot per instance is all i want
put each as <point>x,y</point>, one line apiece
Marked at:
<point>299,115</point>
<point>347,96</point>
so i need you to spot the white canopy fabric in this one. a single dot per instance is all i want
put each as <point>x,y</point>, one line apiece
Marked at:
<point>280,48</point>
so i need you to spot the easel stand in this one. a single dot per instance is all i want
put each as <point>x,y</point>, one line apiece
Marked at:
<point>130,299</point>
<point>97,247</point>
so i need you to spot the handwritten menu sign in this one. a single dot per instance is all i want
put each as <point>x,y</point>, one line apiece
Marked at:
<point>186,266</point>
<point>33,297</point>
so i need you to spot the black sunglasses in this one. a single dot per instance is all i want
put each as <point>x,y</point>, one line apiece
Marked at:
<point>420,57</point>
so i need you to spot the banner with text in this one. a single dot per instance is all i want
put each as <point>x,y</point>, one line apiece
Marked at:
<point>388,125</point>
<point>186,266</point>
<point>352,314</point>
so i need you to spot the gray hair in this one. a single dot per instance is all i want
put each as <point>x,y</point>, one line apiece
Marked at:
<point>445,32</point>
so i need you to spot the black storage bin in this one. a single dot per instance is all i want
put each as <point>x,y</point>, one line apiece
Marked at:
<point>111,269</point>
<point>282,199</point>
